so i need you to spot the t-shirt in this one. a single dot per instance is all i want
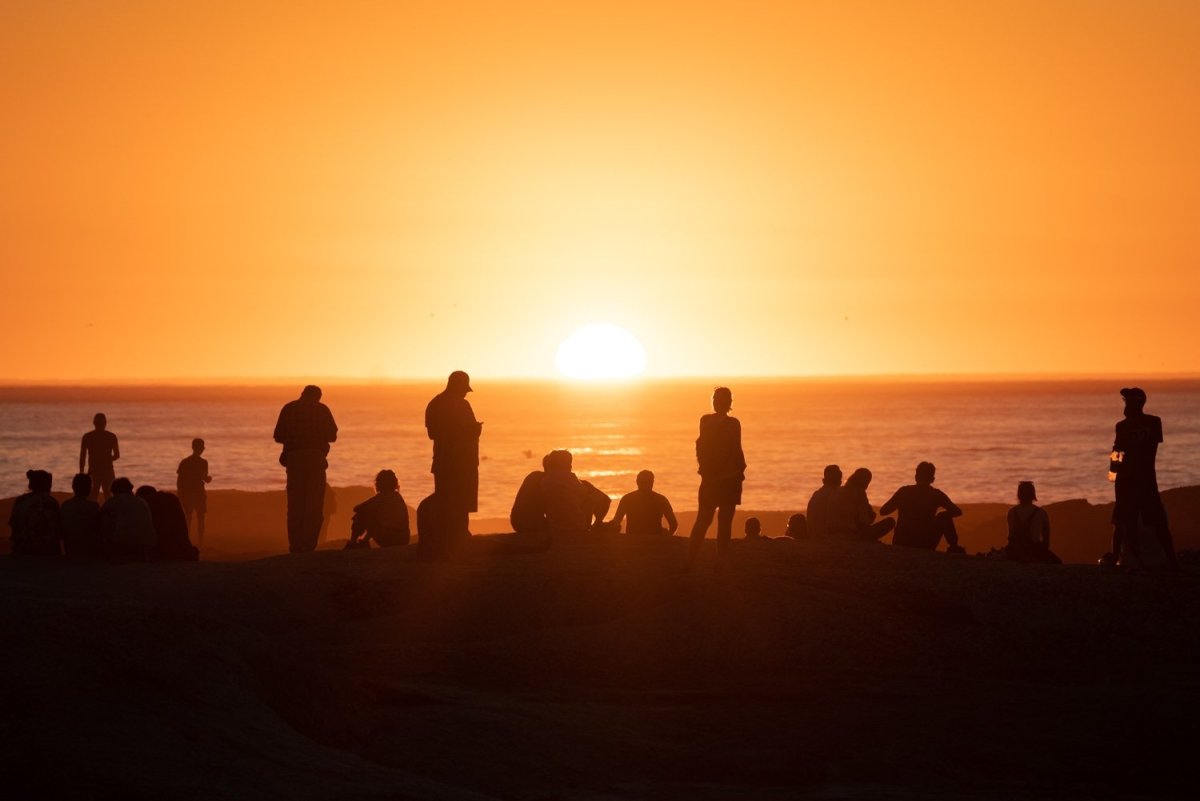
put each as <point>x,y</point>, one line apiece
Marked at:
<point>818,511</point>
<point>383,517</point>
<point>918,505</point>
<point>81,527</point>
<point>849,510</point>
<point>191,474</point>
<point>1138,438</point>
<point>719,448</point>
<point>645,510</point>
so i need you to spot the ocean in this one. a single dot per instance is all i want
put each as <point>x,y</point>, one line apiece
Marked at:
<point>984,436</point>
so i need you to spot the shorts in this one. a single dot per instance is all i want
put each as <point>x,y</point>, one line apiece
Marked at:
<point>196,500</point>
<point>718,492</point>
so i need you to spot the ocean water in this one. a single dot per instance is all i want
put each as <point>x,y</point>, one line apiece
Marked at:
<point>983,436</point>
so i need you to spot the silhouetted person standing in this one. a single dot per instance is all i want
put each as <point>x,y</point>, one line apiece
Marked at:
<point>305,429</point>
<point>920,524</point>
<point>722,471</point>
<point>646,509</point>
<point>1029,529</point>
<point>455,432</point>
<point>850,514</point>
<point>190,479</point>
<point>1138,502</point>
<point>97,451</point>
<point>817,513</point>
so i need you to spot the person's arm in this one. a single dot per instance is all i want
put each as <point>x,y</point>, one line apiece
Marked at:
<point>741,455</point>
<point>893,503</point>
<point>82,452</point>
<point>116,448</point>
<point>1012,523</point>
<point>950,506</point>
<point>621,512</point>
<point>330,426</point>
<point>281,427</point>
<point>669,513</point>
<point>1045,527</point>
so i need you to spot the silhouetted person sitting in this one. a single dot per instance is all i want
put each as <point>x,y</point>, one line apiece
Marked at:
<point>383,517</point>
<point>97,451</point>
<point>753,530</point>
<point>818,505</point>
<point>921,525</point>
<point>528,514</point>
<point>1029,529</point>
<point>451,424</point>
<point>305,429</point>
<point>190,479</point>
<point>797,524</point>
<point>126,525</point>
<point>646,509</point>
<point>850,514</point>
<point>81,521</point>
<point>171,541</point>
<point>35,518</point>
<point>722,468</point>
<point>1138,502</point>
<point>572,506</point>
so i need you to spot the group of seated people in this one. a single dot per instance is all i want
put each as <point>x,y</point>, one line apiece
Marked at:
<point>925,516</point>
<point>554,501</point>
<point>144,526</point>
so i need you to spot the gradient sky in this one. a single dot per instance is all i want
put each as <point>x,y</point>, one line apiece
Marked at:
<point>394,190</point>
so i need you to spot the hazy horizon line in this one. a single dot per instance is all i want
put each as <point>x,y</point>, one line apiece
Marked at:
<point>343,380</point>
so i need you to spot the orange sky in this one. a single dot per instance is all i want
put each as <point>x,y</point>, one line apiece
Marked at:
<point>392,190</point>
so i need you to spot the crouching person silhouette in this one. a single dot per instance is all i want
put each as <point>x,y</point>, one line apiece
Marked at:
<point>383,517</point>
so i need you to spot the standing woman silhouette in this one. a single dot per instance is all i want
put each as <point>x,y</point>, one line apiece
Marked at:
<point>722,471</point>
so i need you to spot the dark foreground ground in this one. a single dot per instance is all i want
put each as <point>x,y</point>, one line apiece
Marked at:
<point>598,671</point>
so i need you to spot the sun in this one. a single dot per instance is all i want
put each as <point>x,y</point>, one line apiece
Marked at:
<point>600,351</point>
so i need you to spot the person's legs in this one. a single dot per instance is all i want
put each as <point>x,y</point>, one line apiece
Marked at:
<point>724,531</point>
<point>704,518</point>
<point>943,524</point>
<point>295,505</point>
<point>314,503</point>
<point>875,531</point>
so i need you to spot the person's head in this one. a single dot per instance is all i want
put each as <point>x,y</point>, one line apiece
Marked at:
<point>197,446</point>
<point>121,486</point>
<point>39,480</point>
<point>459,382</point>
<point>1135,400</point>
<point>833,476</point>
<point>797,525</point>
<point>100,421</point>
<point>558,461</point>
<point>311,393</point>
<point>645,480</point>
<point>1026,492</point>
<point>386,481</point>
<point>146,492</point>
<point>722,399</point>
<point>81,485</point>
<point>753,527</point>
<point>859,479</point>
<point>925,473</point>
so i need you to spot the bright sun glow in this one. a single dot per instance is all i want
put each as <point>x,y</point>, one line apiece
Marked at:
<point>599,351</point>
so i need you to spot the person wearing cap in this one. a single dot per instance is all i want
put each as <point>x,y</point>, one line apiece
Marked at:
<point>1138,502</point>
<point>455,432</point>
<point>817,513</point>
<point>305,429</point>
